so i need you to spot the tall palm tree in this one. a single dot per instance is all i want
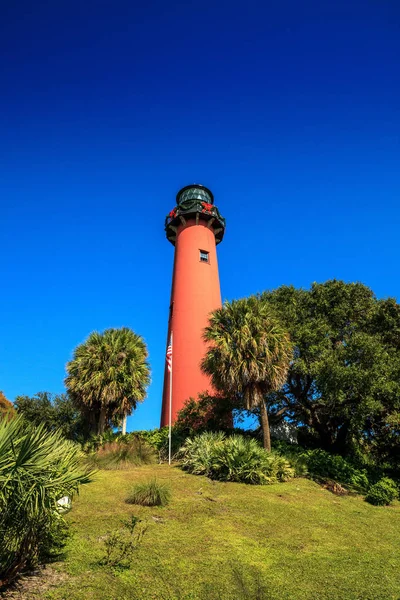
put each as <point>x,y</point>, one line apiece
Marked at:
<point>249,354</point>
<point>108,375</point>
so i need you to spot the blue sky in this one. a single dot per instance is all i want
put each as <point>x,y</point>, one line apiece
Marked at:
<point>288,111</point>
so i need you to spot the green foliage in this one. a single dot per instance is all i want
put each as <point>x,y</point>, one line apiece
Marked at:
<point>207,413</point>
<point>124,453</point>
<point>233,458</point>
<point>323,465</point>
<point>108,375</point>
<point>294,454</point>
<point>37,468</point>
<point>249,354</point>
<point>157,438</point>
<point>121,544</point>
<point>343,386</point>
<point>150,493</point>
<point>383,492</point>
<point>54,412</point>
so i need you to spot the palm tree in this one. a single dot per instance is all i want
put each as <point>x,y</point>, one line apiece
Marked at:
<point>108,375</point>
<point>249,354</point>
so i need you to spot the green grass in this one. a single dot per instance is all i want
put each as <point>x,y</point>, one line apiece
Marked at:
<point>222,541</point>
<point>149,493</point>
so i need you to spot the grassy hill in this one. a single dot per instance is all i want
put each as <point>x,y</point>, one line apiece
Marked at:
<point>227,541</point>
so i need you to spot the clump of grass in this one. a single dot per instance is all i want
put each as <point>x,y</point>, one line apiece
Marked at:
<point>123,455</point>
<point>149,493</point>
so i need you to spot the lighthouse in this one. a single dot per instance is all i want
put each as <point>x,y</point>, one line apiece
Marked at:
<point>195,227</point>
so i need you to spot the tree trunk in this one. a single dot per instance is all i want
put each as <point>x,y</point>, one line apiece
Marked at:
<point>92,421</point>
<point>265,427</point>
<point>124,424</point>
<point>102,421</point>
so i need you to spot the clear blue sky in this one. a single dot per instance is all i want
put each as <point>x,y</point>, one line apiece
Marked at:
<point>288,111</point>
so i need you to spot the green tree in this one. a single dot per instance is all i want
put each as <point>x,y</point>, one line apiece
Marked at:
<point>343,386</point>
<point>54,412</point>
<point>249,354</point>
<point>108,375</point>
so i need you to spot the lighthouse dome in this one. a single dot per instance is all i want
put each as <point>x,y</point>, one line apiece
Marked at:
<point>195,192</point>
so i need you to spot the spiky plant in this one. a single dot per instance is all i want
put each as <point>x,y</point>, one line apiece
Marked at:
<point>249,354</point>
<point>197,455</point>
<point>37,468</point>
<point>108,375</point>
<point>233,458</point>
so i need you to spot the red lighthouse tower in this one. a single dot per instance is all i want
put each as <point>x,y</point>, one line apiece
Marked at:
<point>194,227</point>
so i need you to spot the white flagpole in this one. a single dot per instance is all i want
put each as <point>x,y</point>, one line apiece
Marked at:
<point>170,406</point>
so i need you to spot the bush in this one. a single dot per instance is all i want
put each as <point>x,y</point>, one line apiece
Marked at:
<point>159,440</point>
<point>234,458</point>
<point>149,493</point>
<point>383,492</point>
<point>37,468</point>
<point>294,454</point>
<point>206,413</point>
<point>122,454</point>
<point>322,465</point>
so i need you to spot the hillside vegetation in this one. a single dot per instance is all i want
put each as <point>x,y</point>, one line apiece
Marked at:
<point>218,540</point>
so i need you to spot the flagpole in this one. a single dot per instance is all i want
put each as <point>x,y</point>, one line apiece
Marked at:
<point>170,408</point>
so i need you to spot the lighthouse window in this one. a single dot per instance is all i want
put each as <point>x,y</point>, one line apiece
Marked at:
<point>204,256</point>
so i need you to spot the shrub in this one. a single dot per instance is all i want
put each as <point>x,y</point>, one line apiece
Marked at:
<point>123,454</point>
<point>383,492</point>
<point>233,458</point>
<point>159,440</point>
<point>206,413</point>
<point>37,468</point>
<point>149,493</point>
<point>294,454</point>
<point>322,465</point>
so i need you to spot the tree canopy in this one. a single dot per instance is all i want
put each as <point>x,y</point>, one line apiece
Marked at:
<point>249,354</point>
<point>343,386</point>
<point>53,412</point>
<point>108,375</point>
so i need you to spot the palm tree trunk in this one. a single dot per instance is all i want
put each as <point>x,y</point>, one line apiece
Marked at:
<point>92,422</point>
<point>124,424</point>
<point>102,421</point>
<point>265,427</point>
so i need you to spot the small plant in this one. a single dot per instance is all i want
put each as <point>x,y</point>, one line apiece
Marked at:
<point>149,493</point>
<point>383,492</point>
<point>121,544</point>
